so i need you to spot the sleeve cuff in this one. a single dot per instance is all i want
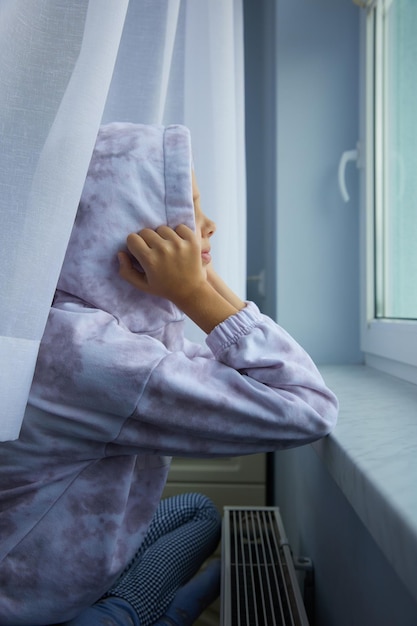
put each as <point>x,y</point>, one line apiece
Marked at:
<point>233,328</point>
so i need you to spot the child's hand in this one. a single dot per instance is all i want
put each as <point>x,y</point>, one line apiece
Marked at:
<point>171,260</point>
<point>173,269</point>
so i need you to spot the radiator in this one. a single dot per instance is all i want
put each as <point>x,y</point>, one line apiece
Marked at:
<point>259,584</point>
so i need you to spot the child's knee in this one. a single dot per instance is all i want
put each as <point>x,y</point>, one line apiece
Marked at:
<point>207,509</point>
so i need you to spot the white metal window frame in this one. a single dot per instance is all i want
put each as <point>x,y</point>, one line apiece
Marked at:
<point>388,344</point>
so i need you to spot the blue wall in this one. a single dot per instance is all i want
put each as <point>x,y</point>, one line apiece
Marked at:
<point>302,60</point>
<point>317,232</point>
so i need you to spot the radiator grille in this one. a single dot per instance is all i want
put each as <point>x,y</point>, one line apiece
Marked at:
<point>259,586</point>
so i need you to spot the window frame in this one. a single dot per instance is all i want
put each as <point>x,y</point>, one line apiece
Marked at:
<point>388,344</point>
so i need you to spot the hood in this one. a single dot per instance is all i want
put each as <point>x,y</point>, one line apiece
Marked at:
<point>139,177</point>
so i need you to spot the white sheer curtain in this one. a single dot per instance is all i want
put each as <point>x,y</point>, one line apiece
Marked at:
<point>179,61</point>
<point>56,63</point>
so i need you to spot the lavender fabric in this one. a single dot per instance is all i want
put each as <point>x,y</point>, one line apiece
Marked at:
<point>118,390</point>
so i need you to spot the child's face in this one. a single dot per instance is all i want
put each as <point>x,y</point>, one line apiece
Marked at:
<point>205,227</point>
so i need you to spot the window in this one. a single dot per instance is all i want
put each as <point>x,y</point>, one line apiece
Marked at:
<point>389,334</point>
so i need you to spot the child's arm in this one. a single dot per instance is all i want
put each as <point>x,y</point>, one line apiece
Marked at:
<point>221,288</point>
<point>173,269</point>
<point>255,389</point>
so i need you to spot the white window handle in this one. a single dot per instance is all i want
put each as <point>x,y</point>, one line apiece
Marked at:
<point>349,155</point>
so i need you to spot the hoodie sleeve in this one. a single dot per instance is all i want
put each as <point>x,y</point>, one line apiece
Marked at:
<point>257,391</point>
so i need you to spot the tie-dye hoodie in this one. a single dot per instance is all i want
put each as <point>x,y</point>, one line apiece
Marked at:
<point>118,390</point>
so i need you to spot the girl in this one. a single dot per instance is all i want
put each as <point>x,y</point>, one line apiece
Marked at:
<point>118,390</point>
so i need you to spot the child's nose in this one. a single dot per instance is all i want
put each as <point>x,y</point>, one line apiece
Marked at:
<point>209,227</point>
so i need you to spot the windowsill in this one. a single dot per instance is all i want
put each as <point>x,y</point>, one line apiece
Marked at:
<point>372,456</point>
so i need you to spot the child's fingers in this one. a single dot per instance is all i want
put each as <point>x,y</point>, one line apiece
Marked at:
<point>130,274</point>
<point>166,233</point>
<point>182,231</point>
<point>139,243</point>
<point>148,238</point>
<point>170,260</point>
<point>185,232</point>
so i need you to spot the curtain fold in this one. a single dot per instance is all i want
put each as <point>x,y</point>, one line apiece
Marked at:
<point>56,64</point>
<point>178,61</point>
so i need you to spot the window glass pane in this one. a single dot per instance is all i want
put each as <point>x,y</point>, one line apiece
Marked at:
<point>396,247</point>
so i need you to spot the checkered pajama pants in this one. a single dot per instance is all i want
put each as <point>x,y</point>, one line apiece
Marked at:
<point>184,532</point>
